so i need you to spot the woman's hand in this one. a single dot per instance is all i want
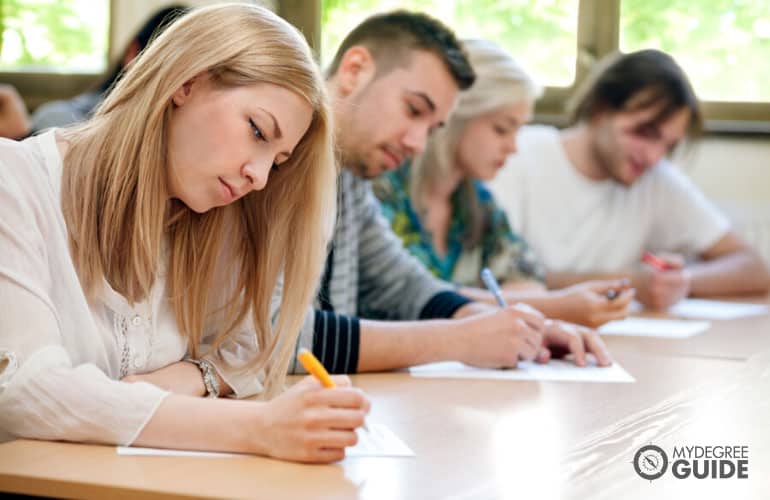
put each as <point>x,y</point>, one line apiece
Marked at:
<point>590,303</point>
<point>313,424</point>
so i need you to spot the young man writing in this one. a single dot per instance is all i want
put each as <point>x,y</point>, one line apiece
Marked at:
<point>593,198</point>
<point>394,79</point>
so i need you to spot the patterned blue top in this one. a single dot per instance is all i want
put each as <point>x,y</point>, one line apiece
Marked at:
<point>506,254</point>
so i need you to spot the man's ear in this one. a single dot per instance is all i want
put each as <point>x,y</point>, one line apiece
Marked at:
<point>599,114</point>
<point>131,52</point>
<point>184,92</point>
<point>356,69</point>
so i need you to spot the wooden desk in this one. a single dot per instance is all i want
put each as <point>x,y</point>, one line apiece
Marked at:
<point>473,439</point>
<point>733,410</point>
<point>737,339</point>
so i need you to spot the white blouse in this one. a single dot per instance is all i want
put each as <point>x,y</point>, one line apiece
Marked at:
<point>61,357</point>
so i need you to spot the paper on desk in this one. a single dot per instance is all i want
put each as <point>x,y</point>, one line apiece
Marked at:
<point>716,309</point>
<point>556,370</point>
<point>653,327</point>
<point>378,441</point>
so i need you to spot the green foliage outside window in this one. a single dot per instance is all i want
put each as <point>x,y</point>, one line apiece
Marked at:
<point>541,34</point>
<point>723,45</point>
<point>58,35</point>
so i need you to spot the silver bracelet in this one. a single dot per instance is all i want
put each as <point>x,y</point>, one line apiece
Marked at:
<point>210,380</point>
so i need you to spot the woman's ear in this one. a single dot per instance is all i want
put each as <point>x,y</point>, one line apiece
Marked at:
<point>185,91</point>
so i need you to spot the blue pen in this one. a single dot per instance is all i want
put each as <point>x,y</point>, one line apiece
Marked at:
<point>491,283</point>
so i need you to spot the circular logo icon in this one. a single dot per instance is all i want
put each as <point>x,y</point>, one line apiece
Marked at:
<point>650,462</point>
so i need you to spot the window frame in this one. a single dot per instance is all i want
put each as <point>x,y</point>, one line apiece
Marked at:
<point>39,87</point>
<point>603,37</point>
<point>598,34</point>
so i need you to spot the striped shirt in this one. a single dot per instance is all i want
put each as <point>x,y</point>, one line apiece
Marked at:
<point>368,274</point>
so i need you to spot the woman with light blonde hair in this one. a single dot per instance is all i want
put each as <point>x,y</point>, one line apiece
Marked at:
<point>142,253</point>
<point>447,217</point>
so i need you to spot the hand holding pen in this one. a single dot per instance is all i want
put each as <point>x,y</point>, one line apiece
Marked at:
<point>662,281</point>
<point>559,336</point>
<point>312,422</point>
<point>317,370</point>
<point>532,335</point>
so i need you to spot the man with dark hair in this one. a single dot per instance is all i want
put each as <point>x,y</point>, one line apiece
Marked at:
<point>394,79</point>
<point>398,50</point>
<point>593,198</point>
<point>391,37</point>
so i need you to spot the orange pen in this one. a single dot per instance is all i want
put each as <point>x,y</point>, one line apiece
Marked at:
<point>655,261</point>
<point>315,368</point>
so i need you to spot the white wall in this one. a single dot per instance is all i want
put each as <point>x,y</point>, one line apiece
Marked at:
<point>735,173</point>
<point>732,169</point>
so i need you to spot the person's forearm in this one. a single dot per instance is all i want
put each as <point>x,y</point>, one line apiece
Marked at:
<point>736,273</point>
<point>390,345</point>
<point>513,292</point>
<point>470,309</point>
<point>524,286</point>
<point>545,302</point>
<point>542,300</point>
<point>556,280</point>
<point>182,378</point>
<point>477,294</point>
<point>190,423</point>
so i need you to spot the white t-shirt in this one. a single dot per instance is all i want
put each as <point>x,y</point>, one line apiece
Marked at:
<point>575,224</point>
<point>61,357</point>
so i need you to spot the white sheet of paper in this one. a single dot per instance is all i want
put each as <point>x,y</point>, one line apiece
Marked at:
<point>716,309</point>
<point>653,327</point>
<point>556,370</point>
<point>378,441</point>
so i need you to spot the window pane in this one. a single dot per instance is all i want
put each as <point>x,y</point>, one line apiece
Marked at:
<point>58,35</point>
<point>541,34</point>
<point>723,45</point>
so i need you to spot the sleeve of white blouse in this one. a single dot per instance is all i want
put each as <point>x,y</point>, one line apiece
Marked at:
<point>230,360</point>
<point>235,353</point>
<point>44,392</point>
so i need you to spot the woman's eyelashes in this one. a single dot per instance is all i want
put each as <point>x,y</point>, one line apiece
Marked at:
<point>413,110</point>
<point>257,131</point>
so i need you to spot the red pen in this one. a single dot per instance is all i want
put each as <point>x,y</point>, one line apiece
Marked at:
<point>655,261</point>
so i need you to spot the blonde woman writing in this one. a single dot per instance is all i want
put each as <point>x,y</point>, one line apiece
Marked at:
<point>447,218</point>
<point>139,252</point>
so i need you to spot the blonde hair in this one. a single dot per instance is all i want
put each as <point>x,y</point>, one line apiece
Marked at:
<point>500,81</point>
<point>116,201</point>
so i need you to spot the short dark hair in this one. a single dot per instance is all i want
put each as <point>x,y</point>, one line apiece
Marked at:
<point>390,36</point>
<point>159,21</point>
<point>650,75</point>
<point>151,28</point>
